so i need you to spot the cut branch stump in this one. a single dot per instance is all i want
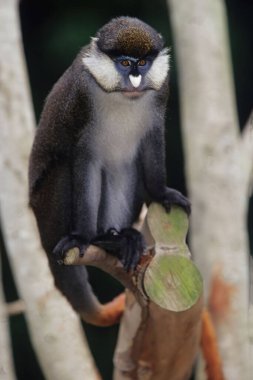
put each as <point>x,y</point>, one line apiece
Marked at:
<point>160,329</point>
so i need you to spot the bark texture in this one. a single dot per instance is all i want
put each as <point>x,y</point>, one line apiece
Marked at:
<point>52,323</point>
<point>6,362</point>
<point>160,330</point>
<point>218,166</point>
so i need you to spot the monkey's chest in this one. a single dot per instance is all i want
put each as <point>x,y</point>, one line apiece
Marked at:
<point>119,131</point>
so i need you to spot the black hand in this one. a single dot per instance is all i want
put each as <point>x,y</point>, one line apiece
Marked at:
<point>66,243</point>
<point>128,245</point>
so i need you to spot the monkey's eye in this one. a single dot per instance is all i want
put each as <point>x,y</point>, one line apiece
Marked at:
<point>142,62</point>
<point>125,62</point>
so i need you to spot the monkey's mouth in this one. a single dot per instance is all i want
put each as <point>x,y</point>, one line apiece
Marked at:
<point>133,94</point>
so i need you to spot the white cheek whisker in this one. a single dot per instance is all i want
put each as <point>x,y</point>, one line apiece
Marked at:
<point>159,69</point>
<point>101,67</point>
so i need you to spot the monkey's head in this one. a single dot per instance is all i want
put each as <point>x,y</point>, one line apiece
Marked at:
<point>127,55</point>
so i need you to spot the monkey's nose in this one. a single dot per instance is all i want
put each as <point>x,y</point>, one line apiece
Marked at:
<point>135,80</point>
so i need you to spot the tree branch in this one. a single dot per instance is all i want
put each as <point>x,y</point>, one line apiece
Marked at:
<point>251,312</point>
<point>247,151</point>
<point>15,307</point>
<point>165,266</point>
<point>6,362</point>
<point>52,323</point>
<point>215,170</point>
<point>167,288</point>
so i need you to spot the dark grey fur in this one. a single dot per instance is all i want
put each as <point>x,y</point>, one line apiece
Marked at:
<point>80,186</point>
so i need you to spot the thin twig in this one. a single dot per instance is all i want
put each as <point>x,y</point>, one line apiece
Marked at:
<point>247,150</point>
<point>15,307</point>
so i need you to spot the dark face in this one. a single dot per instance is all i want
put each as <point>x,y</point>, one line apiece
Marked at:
<point>133,71</point>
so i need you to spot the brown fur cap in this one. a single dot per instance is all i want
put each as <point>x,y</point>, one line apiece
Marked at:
<point>129,36</point>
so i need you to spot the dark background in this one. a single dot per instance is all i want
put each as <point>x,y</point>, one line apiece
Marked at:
<point>53,33</point>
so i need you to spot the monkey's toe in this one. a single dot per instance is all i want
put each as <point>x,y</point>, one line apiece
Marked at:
<point>132,248</point>
<point>174,197</point>
<point>65,244</point>
<point>128,245</point>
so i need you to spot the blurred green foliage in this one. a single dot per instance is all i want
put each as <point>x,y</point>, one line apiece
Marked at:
<point>53,33</point>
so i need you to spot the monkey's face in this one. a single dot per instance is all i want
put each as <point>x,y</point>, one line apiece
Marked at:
<point>140,74</point>
<point>127,56</point>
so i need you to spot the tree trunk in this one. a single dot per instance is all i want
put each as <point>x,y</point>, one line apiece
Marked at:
<point>55,329</point>
<point>160,330</point>
<point>6,363</point>
<point>218,168</point>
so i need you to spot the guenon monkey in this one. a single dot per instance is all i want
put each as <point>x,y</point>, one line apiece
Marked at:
<point>99,152</point>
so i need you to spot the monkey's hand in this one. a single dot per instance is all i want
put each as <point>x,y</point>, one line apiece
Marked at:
<point>128,245</point>
<point>174,197</point>
<point>66,243</point>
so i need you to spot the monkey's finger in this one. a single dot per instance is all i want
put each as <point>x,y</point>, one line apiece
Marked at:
<point>67,243</point>
<point>133,246</point>
<point>175,197</point>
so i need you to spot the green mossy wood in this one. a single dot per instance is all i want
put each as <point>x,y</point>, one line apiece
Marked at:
<point>171,280</point>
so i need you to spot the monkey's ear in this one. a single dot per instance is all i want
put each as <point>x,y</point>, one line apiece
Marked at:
<point>94,39</point>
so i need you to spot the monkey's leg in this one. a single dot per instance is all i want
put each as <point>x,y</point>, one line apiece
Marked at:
<point>86,192</point>
<point>120,205</point>
<point>153,160</point>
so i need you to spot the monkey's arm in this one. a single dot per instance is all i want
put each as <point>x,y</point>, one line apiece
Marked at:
<point>85,195</point>
<point>154,172</point>
<point>52,175</point>
<point>55,133</point>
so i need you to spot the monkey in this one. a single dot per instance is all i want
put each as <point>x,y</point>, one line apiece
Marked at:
<point>99,153</point>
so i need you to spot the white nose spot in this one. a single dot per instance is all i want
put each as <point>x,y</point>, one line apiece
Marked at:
<point>135,80</point>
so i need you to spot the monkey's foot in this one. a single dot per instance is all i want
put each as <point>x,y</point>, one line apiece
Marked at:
<point>128,245</point>
<point>174,197</point>
<point>66,243</point>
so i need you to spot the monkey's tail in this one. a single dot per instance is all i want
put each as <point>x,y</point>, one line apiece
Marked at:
<point>210,348</point>
<point>73,282</point>
<point>107,314</point>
